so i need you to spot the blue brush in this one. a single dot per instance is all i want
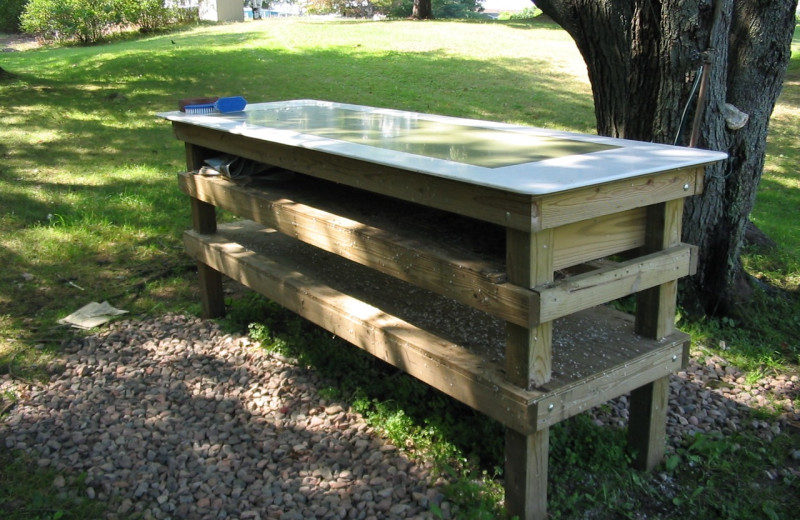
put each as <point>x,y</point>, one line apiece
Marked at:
<point>205,108</point>
<point>222,105</point>
<point>230,104</point>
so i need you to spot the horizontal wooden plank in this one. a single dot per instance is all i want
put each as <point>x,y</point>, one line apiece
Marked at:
<point>593,201</point>
<point>487,204</point>
<point>582,242</point>
<point>601,358</point>
<point>451,272</point>
<point>435,361</point>
<point>596,355</point>
<point>569,400</point>
<point>587,290</point>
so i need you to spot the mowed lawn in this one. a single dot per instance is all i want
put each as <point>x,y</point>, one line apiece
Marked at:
<point>90,210</point>
<point>87,177</point>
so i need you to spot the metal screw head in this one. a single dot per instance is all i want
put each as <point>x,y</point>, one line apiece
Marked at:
<point>686,187</point>
<point>550,407</point>
<point>675,357</point>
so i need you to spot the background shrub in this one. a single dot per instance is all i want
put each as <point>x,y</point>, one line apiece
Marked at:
<point>149,15</point>
<point>528,12</point>
<point>88,21</point>
<point>64,20</point>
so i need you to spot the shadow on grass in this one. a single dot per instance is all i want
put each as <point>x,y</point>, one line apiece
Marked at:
<point>83,143</point>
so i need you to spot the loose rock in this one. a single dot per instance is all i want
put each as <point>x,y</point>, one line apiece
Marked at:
<point>179,420</point>
<point>172,418</point>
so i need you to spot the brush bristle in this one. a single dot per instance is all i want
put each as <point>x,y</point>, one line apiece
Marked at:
<point>199,109</point>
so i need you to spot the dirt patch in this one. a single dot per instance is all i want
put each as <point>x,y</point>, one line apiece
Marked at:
<point>17,42</point>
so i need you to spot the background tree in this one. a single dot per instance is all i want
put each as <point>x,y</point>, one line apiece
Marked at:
<point>423,10</point>
<point>643,57</point>
<point>10,11</point>
<point>456,8</point>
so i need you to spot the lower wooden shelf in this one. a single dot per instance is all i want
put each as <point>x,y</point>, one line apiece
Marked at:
<point>454,348</point>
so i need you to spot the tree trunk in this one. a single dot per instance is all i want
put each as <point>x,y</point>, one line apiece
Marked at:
<point>423,10</point>
<point>643,57</point>
<point>4,74</point>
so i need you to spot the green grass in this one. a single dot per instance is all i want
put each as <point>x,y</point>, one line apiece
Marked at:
<point>89,211</point>
<point>27,494</point>
<point>87,170</point>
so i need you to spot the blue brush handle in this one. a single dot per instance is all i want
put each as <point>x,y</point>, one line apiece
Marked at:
<point>230,104</point>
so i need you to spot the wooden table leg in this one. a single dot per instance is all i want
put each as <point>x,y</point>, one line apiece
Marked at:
<point>204,220</point>
<point>648,421</point>
<point>529,262</point>
<point>526,474</point>
<point>655,318</point>
<point>211,295</point>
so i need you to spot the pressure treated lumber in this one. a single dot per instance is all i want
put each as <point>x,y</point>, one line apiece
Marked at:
<point>312,283</point>
<point>511,210</point>
<point>647,428</point>
<point>454,272</point>
<point>204,220</point>
<point>614,197</point>
<point>655,318</point>
<point>529,260</point>
<point>609,283</point>
<point>525,473</point>
<point>602,236</point>
<point>529,363</point>
<point>331,218</point>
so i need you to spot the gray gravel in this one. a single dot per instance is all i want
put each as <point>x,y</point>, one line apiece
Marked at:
<point>171,418</point>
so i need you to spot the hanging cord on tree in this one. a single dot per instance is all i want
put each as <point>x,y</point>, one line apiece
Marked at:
<point>692,92</point>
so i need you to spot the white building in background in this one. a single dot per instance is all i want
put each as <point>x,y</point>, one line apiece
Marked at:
<point>221,10</point>
<point>238,10</point>
<point>213,10</point>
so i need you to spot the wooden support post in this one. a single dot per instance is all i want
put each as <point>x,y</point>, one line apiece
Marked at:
<point>655,308</point>
<point>529,262</point>
<point>211,294</point>
<point>526,474</point>
<point>204,220</point>
<point>655,318</point>
<point>647,427</point>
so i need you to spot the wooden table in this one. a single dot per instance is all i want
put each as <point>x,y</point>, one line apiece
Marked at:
<point>476,256</point>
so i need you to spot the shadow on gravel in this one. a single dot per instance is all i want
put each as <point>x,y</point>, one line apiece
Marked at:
<point>172,418</point>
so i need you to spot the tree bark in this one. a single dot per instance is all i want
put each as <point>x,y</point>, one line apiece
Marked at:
<point>423,10</point>
<point>643,57</point>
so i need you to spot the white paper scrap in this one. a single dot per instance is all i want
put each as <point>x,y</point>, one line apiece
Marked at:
<point>91,315</point>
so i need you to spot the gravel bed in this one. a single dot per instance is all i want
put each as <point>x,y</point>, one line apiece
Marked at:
<point>713,396</point>
<point>172,418</point>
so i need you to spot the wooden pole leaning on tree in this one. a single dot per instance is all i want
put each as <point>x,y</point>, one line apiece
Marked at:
<point>705,68</point>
